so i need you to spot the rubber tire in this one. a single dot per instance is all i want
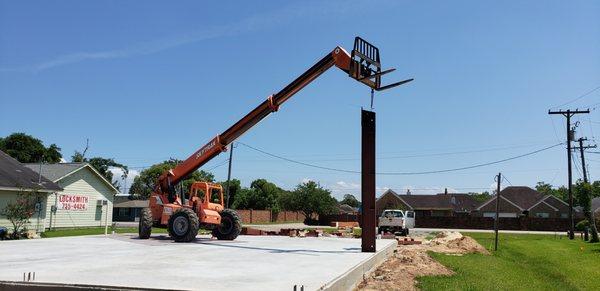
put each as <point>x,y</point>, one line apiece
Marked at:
<point>193,225</point>
<point>228,215</point>
<point>145,227</point>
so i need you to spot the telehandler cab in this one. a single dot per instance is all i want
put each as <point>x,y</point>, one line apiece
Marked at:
<point>205,207</point>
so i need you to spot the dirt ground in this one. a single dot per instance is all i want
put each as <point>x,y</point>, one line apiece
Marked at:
<point>410,261</point>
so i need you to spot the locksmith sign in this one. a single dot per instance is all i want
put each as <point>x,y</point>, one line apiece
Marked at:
<point>73,202</point>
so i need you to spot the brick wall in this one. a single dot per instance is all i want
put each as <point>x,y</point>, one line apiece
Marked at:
<point>521,223</point>
<point>470,222</point>
<point>265,216</point>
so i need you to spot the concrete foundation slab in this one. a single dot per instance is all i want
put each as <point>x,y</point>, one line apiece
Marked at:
<point>248,263</point>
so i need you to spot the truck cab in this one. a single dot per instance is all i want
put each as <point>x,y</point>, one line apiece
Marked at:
<point>396,221</point>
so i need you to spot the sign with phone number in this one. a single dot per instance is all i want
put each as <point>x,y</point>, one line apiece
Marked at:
<point>73,202</point>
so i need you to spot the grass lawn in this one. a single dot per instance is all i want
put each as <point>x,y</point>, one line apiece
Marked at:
<point>93,230</point>
<point>522,262</point>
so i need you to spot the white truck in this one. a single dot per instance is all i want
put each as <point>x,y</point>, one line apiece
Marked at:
<point>396,221</point>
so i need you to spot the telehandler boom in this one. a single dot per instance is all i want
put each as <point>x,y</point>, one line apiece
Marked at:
<point>205,208</point>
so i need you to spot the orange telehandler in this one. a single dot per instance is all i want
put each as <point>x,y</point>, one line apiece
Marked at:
<point>205,206</point>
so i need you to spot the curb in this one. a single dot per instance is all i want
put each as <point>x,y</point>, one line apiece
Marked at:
<point>350,279</point>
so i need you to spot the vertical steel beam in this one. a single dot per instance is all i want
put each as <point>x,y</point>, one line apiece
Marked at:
<point>368,219</point>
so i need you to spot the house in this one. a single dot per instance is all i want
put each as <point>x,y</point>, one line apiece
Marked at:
<point>127,209</point>
<point>516,201</point>
<point>15,179</point>
<point>438,205</point>
<point>596,205</point>
<point>85,199</point>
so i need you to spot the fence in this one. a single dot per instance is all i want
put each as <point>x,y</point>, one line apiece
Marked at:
<point>469,222</point>
<point>250,216</point>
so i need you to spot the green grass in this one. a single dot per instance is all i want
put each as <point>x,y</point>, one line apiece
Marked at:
<point>522,262</point>
<point>93,231</point>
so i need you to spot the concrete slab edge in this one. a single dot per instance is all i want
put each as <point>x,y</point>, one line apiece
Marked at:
<point>355,275</point>
<point>27,286</point>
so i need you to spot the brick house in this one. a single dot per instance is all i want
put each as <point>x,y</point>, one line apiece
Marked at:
<point>439,205</point>
<point>516,201</point>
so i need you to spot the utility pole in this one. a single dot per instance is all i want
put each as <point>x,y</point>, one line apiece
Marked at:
<point>568,114</point>
<point>229,173</point>
<point>496,223</point>
<point>590,214</point>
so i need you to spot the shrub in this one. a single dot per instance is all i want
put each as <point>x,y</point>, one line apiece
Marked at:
<point>582,225</point>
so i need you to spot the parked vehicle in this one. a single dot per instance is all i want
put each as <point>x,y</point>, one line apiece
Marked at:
<point>396,221</point>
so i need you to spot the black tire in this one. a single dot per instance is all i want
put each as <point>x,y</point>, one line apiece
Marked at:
<point>231,226</point>
<point>145,227</point>
<point>183,225</point>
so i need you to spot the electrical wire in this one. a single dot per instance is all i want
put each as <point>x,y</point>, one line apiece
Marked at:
<point>401,173</point>
<point>579,97</point>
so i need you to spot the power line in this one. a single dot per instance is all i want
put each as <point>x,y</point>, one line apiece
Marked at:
<point>579,97</point>
<point>401,173</point>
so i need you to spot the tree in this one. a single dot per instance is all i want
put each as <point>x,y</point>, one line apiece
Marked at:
<point>20,211</point>
<point>480,197</point>
<point>234,188</point>
<point>310,198</point>
<point>261,195</point>
<point>102,165</point>
<point>28,149</point>
<point>583,197</point>
<point>561,193</point>
<point>350,200</point>
<point>145,182</point>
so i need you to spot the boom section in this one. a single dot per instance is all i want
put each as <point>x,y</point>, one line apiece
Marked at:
<point>338,57</point>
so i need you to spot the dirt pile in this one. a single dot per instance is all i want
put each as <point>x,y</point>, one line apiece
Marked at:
<point>399,271</point>
<point>455,243</point>
<point>411,261</point>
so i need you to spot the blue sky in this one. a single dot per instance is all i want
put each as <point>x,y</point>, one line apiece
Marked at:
<point>145,82</point>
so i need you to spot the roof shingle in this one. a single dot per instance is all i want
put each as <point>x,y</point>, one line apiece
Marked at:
<point>15,175</point>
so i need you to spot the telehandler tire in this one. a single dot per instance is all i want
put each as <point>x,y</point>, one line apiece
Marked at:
<point>183,225</point>
<point>231,226</point>
<point>145,227</point>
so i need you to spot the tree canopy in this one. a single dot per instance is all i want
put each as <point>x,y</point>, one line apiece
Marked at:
<point>310,198</point>
<point>145,182</point>
<point>102,165</point>
<point>262,194</point>
<point>350,200</point>
<point>28,149</point>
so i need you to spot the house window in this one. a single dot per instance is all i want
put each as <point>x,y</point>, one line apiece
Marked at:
<point>542,215</point>
<point>564,215</point>
<point>489,214</point>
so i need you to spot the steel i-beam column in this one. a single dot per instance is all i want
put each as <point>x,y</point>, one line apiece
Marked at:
<point>368,219</point>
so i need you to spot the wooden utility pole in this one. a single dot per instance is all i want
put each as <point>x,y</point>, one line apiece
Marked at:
<point>590,214</point>
<point>229,174</point>
<point>568,114</point>
<point>496,222</point>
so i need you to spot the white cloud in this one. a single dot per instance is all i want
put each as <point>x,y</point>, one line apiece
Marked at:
<point>124,183</point>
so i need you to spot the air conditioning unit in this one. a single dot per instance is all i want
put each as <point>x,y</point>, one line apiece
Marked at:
<point>101,202</point>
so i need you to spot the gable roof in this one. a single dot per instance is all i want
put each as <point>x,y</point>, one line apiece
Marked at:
<point>522,196</point>
<point>595,203</point>
<point>57,172</point>
<point>15,176</point>
<point>453,201</point>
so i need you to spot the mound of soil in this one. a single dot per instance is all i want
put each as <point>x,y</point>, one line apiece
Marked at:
<point>399,271</point>
<point>411,261</point>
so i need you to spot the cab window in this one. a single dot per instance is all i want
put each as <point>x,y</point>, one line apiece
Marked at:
<point>398,214</point>
<point>215,195</point>
<point>410,214</point>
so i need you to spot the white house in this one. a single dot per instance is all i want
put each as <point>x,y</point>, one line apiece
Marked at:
<point>86,199</point>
